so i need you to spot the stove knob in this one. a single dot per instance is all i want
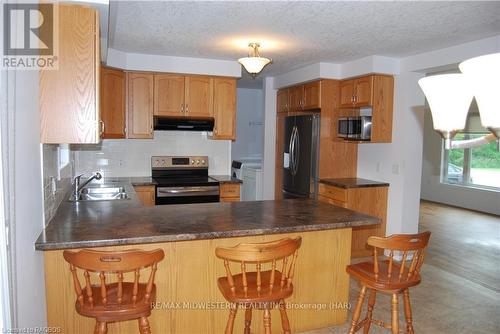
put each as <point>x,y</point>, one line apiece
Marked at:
<point>197,162</point>
<point>192,162</point>
<point>163,162</point>
<point>203,162</point>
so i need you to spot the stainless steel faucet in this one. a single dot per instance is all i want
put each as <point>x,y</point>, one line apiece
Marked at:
<point>77,187</point>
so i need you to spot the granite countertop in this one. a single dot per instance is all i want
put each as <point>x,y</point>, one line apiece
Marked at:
<point>226,179</point>
<point>123,222</point>
<point>353,183</point>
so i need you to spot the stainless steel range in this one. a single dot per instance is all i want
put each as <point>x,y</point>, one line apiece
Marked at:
<point>182,180</point>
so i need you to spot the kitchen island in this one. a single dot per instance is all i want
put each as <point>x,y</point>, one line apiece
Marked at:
<point>188,300</point>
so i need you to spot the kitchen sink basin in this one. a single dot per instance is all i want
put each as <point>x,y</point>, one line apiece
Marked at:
<point>102,193</point>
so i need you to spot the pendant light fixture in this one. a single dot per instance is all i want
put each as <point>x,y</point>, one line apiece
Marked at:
<point>450,95</point>
<point>254,63</point>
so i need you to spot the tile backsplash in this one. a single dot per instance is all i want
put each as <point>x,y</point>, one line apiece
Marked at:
<point>56,180</point>
<point>132,157</point>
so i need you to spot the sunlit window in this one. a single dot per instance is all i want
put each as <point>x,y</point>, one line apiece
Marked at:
<point>478,166</point>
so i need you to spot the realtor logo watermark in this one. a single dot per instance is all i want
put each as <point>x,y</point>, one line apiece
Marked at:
<point>30,36</point>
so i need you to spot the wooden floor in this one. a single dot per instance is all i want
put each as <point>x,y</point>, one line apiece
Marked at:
<point>465,243</point>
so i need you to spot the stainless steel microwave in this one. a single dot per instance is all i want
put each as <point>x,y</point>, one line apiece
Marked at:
<point>355,128</point>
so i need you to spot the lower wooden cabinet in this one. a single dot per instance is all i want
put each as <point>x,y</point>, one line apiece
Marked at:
<point>146,194</point>
<point>229,192</point>
<point>368,200</point>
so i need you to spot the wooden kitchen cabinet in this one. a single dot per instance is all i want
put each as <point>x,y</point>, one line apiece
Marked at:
<point>199,96</point>
<point>296,97</point>
<point>229,192</point>
<point>113,102</point>
<point>169,93</point>
<point>312,95</point>
<point>375,91</point>
<point>368,200</point>
<point>224,109</point>
<point>69,96</point>
<point>282,101</point>
<point>146,194</point>
<point>139,105</point>
<point>356,92</point>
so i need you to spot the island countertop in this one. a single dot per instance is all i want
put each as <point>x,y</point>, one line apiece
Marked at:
<point>110,223</point>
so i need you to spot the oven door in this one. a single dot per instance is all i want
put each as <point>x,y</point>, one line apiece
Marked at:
<point>186,195</point>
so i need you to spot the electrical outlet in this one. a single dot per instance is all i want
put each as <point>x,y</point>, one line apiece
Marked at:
<point>378,167</point>
<point>53,185</point>
<point>395,169</point>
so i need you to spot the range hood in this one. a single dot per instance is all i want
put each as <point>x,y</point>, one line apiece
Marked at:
<point>183,124</point>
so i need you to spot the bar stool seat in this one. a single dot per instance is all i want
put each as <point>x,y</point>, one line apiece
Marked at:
<point>127,309</point>
<point>118,300</point>
<point>266,293</point>
<point>364,272</point>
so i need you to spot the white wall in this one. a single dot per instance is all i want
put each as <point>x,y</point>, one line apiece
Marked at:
<point>132,157</point>
<point>29,293</point>
<point>268,164</point>
<point>434,190</point>
<point>249,124</point>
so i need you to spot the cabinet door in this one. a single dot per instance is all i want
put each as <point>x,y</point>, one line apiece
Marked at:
<point>169,92</point>
<point>296,97</point>
<point>68,97</point>
<point>312,95</point>
<point>347,93</point>
<point>113,102</point>
<point>364,91</point>
<point>224,108</point>
<point>282,100</point>
<point>199,96</point>
<point>146,194</point>
<point>139,105</point>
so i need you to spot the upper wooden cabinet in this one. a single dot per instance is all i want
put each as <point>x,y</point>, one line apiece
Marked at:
<point>312,95</point>
<point>140,105</point>
<point>375,91</point>
<point>113,102</point>
<point>303,97</point>
<point>199,96</point>
<point>224,108</point>
<point>169,90</point>
<point>179,95</point>
<point>283,101</point>
<point>357,92</point>
<point>69,96</point>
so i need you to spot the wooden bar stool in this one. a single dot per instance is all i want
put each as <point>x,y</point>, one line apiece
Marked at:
<point>120,301</point>
<point>261,289</point>
<point>389,276</point>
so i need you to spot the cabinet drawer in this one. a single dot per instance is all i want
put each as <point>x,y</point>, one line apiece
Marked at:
<point>331,201</point>
<point>229,199</point>
<point>334,193</point>
<point>230,190</point>
<point>146,194</point>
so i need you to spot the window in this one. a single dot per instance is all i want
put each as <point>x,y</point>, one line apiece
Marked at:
<point>478,166</point>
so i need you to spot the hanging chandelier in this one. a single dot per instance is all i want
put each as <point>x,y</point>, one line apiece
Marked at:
<point>450,95</point>
<point>254,63</point>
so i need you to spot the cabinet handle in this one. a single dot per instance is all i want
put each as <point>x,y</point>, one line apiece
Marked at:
<point>182,108</point>
<point>187,108</point>
<point>101,132</point>
<point>151,129</point>
<point>215,131</point>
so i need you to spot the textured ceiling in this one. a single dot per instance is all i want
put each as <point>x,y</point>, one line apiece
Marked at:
<point>296,34</point>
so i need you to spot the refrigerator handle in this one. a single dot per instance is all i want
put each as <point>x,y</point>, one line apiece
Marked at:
<point>290,148</point>
<point>292,153</point>
<point>296,155</point>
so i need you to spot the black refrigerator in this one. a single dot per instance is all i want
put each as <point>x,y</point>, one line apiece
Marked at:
<point>301,156</point>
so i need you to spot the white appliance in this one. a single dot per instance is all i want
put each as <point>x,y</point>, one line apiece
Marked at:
<point>250,172</point>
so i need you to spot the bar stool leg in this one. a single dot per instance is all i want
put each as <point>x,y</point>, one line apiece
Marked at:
<point>144,326</point>
<point>248,319</point>
<point>285,323</point>
<point>100,327</point>
<point>357,310</point>
<point>409,325</point>
<point>369,313</point>
<point>230,321</point>
<point>395,320</point>
<point>267,321</point>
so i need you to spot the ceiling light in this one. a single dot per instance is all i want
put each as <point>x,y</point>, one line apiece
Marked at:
<point>254,63</point>
<point>483,74</point>
<point>450,96</point>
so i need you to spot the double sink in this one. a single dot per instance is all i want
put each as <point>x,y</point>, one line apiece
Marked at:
<point>102,192</point>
